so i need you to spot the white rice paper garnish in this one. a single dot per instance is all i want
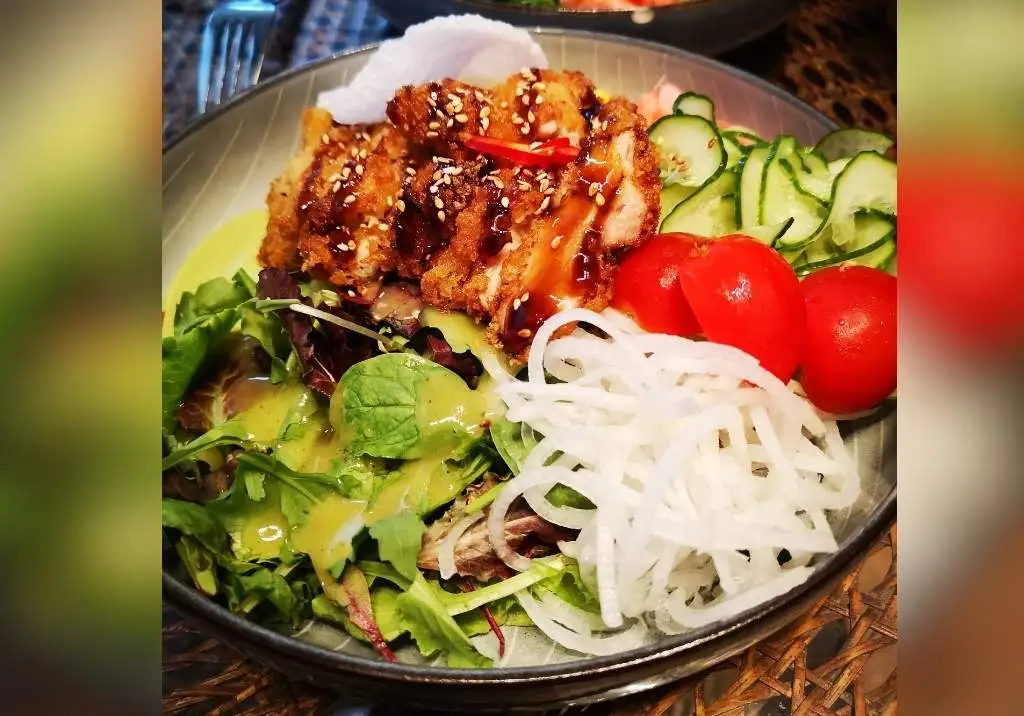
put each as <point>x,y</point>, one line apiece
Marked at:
<point>467,47</point>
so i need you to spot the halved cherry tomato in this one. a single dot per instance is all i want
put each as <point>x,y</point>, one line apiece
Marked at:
<point>733,290</point>
<point>647,286</point>
<point>849,361</point>
<point>549,153</point>
<point>744,294</point>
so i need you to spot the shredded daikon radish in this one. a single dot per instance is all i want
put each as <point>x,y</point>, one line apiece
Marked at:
<point>703,467</point>
<point>446,549</point>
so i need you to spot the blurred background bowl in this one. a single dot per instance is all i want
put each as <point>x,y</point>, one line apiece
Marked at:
<point>708,27</point>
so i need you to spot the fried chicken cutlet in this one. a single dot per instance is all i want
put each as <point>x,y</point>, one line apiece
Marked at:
<point>506,243</point>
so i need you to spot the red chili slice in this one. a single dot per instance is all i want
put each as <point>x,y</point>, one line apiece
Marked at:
<point>551,152</point>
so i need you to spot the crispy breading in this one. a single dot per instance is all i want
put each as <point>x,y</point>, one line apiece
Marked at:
<point>507,244</point>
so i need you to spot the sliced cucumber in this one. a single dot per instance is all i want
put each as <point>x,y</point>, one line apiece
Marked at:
<point>767,234</point>
<point>879,253</point>
<point>810,183</point>
<point>814,163</point>
<point>733,152</point>
<point>744,136</point>
<point>710,211</point>
<point>695,104</point>
<point>781,200</point>
<point>748,193</point>
<point>836,168</point>
<point>868,182</point>
<point>671,195</point>
<point>851,142</point>
<point>690,148</point>
<point>870,228</point>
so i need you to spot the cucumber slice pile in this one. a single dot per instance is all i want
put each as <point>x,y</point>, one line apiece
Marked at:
<point>831,203</point>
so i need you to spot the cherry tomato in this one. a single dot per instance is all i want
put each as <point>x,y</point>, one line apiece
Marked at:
<point>549,153</point>
<point>647,286</point>
<point>850,356</point>
<point>744,294</point>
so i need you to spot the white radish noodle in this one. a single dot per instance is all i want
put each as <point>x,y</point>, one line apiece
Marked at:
<point>702,466</point>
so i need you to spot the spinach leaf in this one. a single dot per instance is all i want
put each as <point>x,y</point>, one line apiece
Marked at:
<point>183,355</point>
<point>399,539</point>
<point>385,409</point>
<point>433,630</point>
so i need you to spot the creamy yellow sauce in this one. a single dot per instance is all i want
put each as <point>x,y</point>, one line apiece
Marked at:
<point>233,245</point>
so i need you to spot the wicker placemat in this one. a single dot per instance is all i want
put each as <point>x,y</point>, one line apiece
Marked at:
<point>840,57</point>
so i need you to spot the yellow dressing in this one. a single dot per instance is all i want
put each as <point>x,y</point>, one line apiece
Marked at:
<point>231,246</point>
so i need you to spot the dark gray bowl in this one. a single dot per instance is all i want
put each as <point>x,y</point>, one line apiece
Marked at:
<point>220,168</point>
<point>709,27</point>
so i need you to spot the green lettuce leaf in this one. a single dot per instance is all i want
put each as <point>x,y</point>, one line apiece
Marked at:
<point>434,630</point>
<point>244,591</point>
<point>199,563</point>
<point>569,586</point>
<point>209,299</point>
<point>390,619</point>
<point>399,539</point>
<point>512,442</point>
<point>184,354</point>
<point>269,332</point>
<point>506,612</point>
<point>196,522</point>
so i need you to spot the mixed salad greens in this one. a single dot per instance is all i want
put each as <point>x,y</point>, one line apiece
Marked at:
<point>311,463</point>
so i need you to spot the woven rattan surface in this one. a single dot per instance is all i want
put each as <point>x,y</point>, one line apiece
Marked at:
<point>840,657</point>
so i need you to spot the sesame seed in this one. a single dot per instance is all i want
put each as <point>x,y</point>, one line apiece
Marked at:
<point>498,182</point>
<point>594,188</point>
<point>525,297</point>
<point>371,222</point>
<point>383,227</point>
<point>346,173</point>
<point>410,171</point>
<point>485,123</point>
<point>536,145</point>
<point>390,201</point>
<point>342,248</point>
<point>333,177</point>
<point>479,96</point>
<point>449,123</point>
<point>432,134</point>
<point>526,100</point>
<point>438,203</point>
<point>517,120</point>
<point>516,304</point>
<point>540,86</point>
<point>434,125</point>
<point>362,154</point>
<point>456,171</point>
<point>549,191</point>
<point>503,104</point>
<point>325,139</point>
<point>354,152</point>
<point>504,201</point>
<point>442,160</point>
<point>555,242</point>
<point>440,216</point>
<point>360,169</point>
<point>351,293</point>
<point>433,188</point>
<point>453,98</point>
<point>337,185</point>
<point>524,186</point>
<point>599,199</point>
<point>433,96</point>
<point>447,180</point>
<point>350,198</point>
<point>461,118</point>
<point>525,333</point>
<point>516,170</point>
<point>485,112</point>
<point>365,137</point>
<point>531,117</point>
<point>525,129</point>
<point>400,205</point>
<point>436,175</point>
<point>544,205</point>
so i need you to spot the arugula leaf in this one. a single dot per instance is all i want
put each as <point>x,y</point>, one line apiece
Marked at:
<point>383,570</point>
<point>243,279</point>
<point>209,299</point>
<point>253,481</point>
<point>199,563</point>
<point>399,539</point>
<point>232,432</point>
<point>268,331</point>
<point>261,584</point>
<point>183,356</point>
<point>433,630</point>
<point>196,522</point>
<point>569,586</point>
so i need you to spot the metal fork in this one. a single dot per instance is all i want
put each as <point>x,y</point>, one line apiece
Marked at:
<point>233,47</point>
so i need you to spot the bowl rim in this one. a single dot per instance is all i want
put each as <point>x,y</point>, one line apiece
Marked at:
<point>185,597</point>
